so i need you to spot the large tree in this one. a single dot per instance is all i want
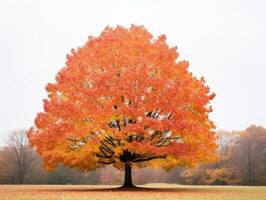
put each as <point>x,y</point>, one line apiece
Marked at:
<point>124,99</point>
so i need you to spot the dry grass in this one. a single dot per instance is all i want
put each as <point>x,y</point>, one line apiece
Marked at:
<point>147,192</point>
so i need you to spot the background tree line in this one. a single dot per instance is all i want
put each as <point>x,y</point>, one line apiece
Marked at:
<point>242,161</point>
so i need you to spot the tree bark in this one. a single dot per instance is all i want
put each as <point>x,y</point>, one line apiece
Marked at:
<point>128,177</point>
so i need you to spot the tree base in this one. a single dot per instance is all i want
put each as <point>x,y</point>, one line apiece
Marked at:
<point>128,186</point>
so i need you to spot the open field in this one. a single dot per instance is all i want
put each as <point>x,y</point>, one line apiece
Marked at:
<point>147,192</point>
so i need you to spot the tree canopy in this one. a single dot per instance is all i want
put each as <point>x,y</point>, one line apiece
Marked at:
<point>124,97</point>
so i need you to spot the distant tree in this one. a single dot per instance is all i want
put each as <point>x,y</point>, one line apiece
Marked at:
<point>122,99</point>
<point>21,156</point>
<point>227,144</point>
<point>252,155</point>
<point>7,166</point>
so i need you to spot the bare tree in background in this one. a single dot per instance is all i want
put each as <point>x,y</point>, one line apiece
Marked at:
<point>22,156</point>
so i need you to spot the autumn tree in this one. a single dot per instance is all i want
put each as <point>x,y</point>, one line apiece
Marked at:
<point>125,99</point>
<point>251,155</point>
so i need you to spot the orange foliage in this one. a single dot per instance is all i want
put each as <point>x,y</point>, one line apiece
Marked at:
<point>124,97</point>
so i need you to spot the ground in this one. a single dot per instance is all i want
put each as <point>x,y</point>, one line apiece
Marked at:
<point>147,192</point>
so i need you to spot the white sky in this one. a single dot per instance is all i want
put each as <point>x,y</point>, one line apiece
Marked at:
<point>223,40</point>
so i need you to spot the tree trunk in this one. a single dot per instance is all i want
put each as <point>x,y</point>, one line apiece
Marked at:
<point>128,177</point>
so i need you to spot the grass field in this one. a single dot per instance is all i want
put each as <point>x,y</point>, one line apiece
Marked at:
<point>147,192</point>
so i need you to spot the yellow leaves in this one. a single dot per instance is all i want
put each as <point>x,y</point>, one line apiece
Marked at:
<point>118,151</point>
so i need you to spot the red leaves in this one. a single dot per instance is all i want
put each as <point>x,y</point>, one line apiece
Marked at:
<point>41,120</point>
<point>123,75</point>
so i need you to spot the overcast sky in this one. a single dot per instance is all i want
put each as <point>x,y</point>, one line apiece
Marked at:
<point>224,41</point>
